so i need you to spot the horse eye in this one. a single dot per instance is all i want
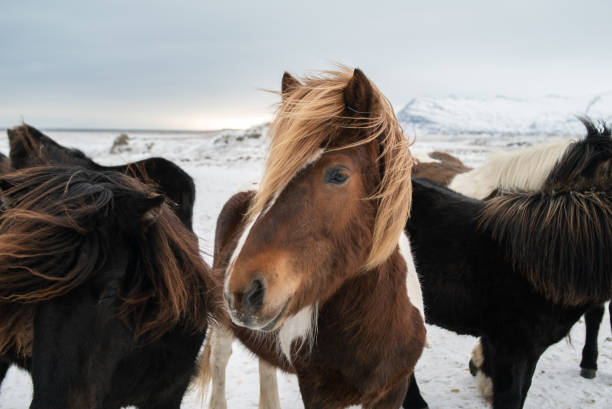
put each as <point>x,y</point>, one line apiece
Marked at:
<point>336,175</point>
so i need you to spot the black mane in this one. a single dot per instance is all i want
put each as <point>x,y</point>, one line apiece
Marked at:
<point>30,147</point>
<point>561,236</point>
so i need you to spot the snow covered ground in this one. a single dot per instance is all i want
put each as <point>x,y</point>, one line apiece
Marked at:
<point>225,162</point>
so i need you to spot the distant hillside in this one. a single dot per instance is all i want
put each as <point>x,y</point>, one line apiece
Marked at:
<point>550,115</point>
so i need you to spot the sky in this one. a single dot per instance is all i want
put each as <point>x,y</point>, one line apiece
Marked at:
<point>201,64</point>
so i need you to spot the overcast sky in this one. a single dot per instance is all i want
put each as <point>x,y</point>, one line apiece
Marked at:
<point>195,64</point>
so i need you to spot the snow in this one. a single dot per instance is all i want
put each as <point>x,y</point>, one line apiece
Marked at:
<point>226,162</point>
<point>549,115</point>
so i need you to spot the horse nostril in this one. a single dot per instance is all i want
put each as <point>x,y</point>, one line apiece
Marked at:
<point>254,297</point>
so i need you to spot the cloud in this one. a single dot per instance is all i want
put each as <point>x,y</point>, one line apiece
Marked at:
<point>143,63</point>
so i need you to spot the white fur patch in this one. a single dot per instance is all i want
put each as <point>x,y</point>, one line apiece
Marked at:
<point>236,252</point>
<point>485,386</point>
<point>300,327</point>
<point>423,157</point>
<point>524,169</point>
<point>412,278</point>
<point>315,157</point>
<point>477,355</point>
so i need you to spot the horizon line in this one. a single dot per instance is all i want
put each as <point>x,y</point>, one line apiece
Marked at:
<point>127,129</point>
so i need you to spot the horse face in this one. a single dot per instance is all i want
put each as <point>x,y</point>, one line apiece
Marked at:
<point>79,341</point>
<point>313,237</point>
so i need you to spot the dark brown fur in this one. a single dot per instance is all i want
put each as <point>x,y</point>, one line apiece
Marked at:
<point>572,216</point>
<point>30,147</point>
<point>52,214</point>
<point>5,164</point>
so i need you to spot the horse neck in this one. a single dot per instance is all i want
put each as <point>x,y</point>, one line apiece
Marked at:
<point>372,304</point>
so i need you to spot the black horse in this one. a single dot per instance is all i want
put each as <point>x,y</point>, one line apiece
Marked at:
<point>517,270</point>
<point>30,147</point>
<point>103,293</point>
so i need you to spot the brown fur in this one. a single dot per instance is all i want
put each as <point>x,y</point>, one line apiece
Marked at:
<point>5,164</point>
<point>54,213</point>
<point>311,245</point>
<point>442,172</point>
<point>311,116</point>
<point>348,364</point>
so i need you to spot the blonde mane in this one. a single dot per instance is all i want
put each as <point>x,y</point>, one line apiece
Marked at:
<point>523,169</point>
<point>309,119</point>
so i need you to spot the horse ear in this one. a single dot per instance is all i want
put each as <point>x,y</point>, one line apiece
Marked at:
<point>358,94</point>
<point>144,210</point>
<point>289,84</point>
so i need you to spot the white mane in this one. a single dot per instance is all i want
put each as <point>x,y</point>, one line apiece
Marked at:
<point>524,169</point>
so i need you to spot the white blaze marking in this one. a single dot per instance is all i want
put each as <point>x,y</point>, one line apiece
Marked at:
<point>247,230</point>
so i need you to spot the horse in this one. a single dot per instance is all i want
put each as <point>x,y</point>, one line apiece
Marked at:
<point>30,147</point>
<point>518,269</point>
<point>101,286</point>
<point>525,169</point>
<point>315,281</point>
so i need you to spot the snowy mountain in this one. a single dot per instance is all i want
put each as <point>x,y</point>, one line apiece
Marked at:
<point>550,115</point>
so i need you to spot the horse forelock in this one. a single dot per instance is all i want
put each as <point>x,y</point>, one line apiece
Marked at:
<point>51,220</point>
<point>313,118</point>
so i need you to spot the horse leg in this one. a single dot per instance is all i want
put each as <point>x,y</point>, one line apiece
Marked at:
<point>4,366</point>
<point>393,398</point>
<point>610,312</point>
<point>481,369</point>
<point>511,379</point>
<point>414,399</point>
<point>592,320</point>
<point>528,376</point>
<point>477,359</point>
<point>221,350</point>
<point>268,387</point>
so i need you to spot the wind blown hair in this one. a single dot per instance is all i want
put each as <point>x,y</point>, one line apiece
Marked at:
<point>311,117</point>
<point>523,169</point>
<point>561,236</point>
<point>58,230</point>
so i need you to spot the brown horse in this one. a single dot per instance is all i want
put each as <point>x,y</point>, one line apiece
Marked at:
<point>314,279</point>
<point>439,166</point>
